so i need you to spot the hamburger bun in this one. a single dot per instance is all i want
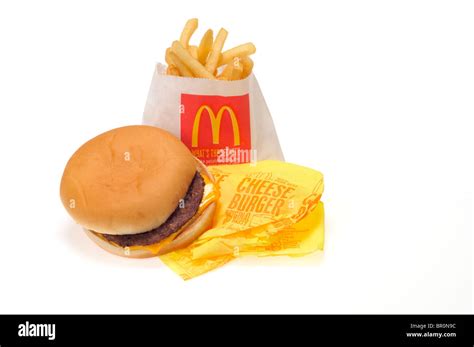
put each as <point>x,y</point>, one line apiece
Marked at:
<point>189,234</point>
<point>128,181</point>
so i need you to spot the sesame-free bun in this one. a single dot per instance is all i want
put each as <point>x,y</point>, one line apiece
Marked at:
<point>127,180</point>
<point>190,232</point>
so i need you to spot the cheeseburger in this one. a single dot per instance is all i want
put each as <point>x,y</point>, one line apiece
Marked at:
<point>138,192</point>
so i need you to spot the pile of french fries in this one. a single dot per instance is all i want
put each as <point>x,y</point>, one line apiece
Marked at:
<point>208,60</point>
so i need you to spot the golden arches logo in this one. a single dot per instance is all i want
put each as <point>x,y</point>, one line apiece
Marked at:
<point>215,124</point>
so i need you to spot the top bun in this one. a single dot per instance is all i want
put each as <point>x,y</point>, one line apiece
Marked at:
<point>127,180</point>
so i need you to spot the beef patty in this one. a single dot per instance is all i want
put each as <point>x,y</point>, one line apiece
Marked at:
<point>175,221</point>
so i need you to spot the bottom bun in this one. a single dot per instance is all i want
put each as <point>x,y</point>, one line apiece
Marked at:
<point>189,233</point>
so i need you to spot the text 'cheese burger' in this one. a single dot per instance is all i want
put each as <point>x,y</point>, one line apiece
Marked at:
<point>138,192</point>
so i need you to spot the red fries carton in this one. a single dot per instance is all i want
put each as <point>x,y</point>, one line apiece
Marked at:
<point>221,122</point>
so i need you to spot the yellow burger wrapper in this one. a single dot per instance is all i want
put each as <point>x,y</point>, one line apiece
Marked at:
<point>265,209</point>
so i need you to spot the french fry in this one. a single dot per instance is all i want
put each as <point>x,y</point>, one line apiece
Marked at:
<point>188,31</point>
<point>193,65</point>
<point>235,61</point>
<point>172,70</point>
<point>232,71</point>
<point>205,46</point>
<point>181,66</point>
<point>175,66</point>
<point>238,51</point>
<point>213,59</point>
<point>170,58</point>
<point>167,57</point>
<point>193,50</point>
<point>247,65</point>
<point>237,72</point>
<point>226,73</point>
<point>208,60</point>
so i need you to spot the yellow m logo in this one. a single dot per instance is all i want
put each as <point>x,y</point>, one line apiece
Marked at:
<point>215,124</point>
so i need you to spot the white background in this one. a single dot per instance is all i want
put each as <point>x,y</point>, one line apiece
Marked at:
<point>379,96</point>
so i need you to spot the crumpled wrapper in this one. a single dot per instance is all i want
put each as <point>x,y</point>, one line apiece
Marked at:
<point>268,208</point>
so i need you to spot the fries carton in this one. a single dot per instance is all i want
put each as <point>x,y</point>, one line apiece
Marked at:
<point>268,209</point>
<point>221,122</point>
